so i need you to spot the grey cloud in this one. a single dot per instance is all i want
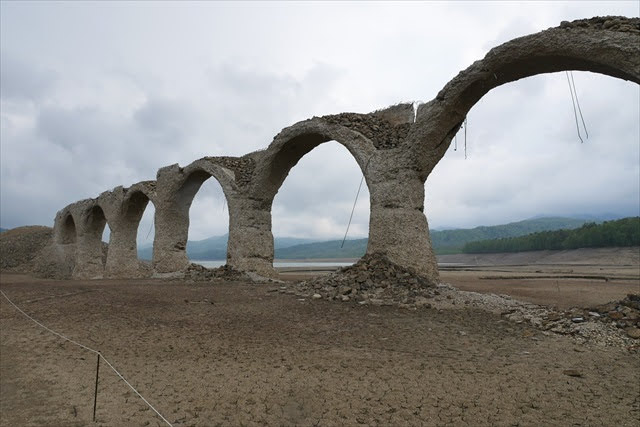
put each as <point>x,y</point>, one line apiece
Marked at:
<point>69,129</point>
<point>162,116</point>
<point>518,27</point>
<point>21,79</point>
<point>90,130</point>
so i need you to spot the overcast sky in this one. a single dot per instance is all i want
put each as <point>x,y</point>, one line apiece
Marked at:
<point>95,95</point>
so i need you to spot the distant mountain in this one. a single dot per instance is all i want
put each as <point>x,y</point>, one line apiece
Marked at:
<point>444,241</point>
<point>452,241</point>
<point>607,216</point>
<point>618,233</point>
<point>601,217</point>
<point>330,249</point>
<point>215,248</point>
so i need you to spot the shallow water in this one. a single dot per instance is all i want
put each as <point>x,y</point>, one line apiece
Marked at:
<point>276,264</point>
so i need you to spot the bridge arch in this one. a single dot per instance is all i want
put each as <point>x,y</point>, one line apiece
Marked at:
<point>124,208</point>
<point>134,204</point>
<point>175,192</point>
<point>605,45</point>
<point>65,228</point>
<point>90,221</point>
<point>295,141</point>
<point>251,245</point>
<point>396,164</point>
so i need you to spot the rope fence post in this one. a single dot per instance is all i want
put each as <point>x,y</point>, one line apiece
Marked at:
<point>95,398</point>
<point>95,395</point>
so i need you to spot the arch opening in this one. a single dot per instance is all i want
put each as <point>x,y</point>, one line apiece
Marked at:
<point>518,168</point>
<point>68,232</point>
<point>96,222</point>
<point>138,220</point>
<point>145,230</point>
<point>294,149</point>
<point>208,214</point>
<point>314,204</point>
<point>98,230</point>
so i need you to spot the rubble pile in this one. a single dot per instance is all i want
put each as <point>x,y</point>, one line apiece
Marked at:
<point>199,273</point>
<point>382,133</point>
<point>242,167</point>
<point>374,279</point>
<point>612,23</point>
<point>623,315</point>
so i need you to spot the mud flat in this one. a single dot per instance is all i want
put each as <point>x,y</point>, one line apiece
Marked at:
<point>207,354</point>
<point>562,279</point>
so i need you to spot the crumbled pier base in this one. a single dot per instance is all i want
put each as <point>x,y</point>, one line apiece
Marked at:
<point>374,280</point>
<point>377,281</point>
<point>623,315</point>
<point>200,273</point>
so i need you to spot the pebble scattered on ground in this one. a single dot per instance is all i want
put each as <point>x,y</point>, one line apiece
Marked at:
<point>377,281</point>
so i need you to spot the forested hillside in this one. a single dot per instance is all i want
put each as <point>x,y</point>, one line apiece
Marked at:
<point>623,232</point>
<point>330,249</point>
<point>452,241</point>
<point>444,241</point>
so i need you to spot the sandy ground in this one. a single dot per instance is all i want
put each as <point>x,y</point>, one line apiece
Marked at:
<point>244,354</point>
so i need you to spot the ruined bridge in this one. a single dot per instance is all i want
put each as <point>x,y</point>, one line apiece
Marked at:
<point>396,150</point>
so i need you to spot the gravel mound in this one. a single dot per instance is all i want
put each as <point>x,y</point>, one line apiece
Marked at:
<point>623,315</point>
<point>199,273</point>
<point>31,250</point>
<point>20,246</point>
<point>374,279</point>
<point>377,281</point>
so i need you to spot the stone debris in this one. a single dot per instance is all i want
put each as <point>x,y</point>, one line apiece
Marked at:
<point>375,280</point>
<point>19,246</point>
<point>200,273</point>
<point>572,373</point>
<point>382,133</point>
<point>242,167</point>
<point>623,315</point>
<point>614,324</point>
<point>611,23</point>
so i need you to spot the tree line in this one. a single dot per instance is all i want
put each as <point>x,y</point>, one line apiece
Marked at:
<point>622,232</point>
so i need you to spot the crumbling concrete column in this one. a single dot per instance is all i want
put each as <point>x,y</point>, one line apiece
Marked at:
<point>175,189</point>
<point>172,220</point>
<point>123,209</point>
<point>64,241</point>
<point>250,246</point>
<point>398,227</point>
<point>89,249</point>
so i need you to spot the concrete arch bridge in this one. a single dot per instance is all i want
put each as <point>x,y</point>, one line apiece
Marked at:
<point>396,149</point>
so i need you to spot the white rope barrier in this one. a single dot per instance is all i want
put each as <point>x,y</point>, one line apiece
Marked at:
<point>88,349</point>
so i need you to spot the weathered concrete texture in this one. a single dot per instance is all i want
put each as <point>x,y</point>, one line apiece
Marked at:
<point>175,190</point>
<point>396,149</point>
<point>385,128</point>
<point>88,220</point>
<point>19,246</point>
<point>123,209</point>
<point>33,250</point>
<point>607,45</point>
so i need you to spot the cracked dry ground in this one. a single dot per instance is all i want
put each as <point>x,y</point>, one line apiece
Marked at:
<point>236,354</point>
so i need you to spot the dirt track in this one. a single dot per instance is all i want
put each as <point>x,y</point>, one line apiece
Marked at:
<point>238,354</point>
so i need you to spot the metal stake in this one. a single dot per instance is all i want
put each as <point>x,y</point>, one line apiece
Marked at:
<point>95,396</point>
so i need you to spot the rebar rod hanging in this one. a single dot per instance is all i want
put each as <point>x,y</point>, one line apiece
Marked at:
<point>575,92</point>
<point>465,138</point>
<point>352,210</point>
<point>150,228</point>
<point>575,112</point>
